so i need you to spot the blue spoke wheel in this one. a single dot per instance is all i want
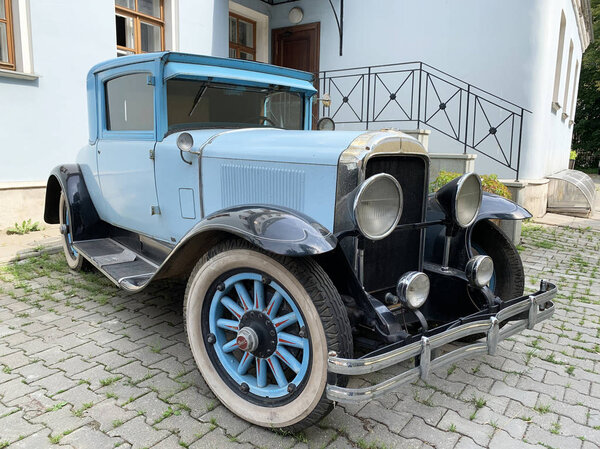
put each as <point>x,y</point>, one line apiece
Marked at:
<point>260,327</point>
<point>258,336</point>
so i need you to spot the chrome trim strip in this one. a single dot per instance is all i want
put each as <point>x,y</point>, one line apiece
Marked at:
<point>423,348</point>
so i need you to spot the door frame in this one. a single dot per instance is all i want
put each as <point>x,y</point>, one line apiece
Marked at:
<point>276,32</point>
<point>316,26</point>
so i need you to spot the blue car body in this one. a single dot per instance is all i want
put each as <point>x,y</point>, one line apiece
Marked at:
<point>174,168</point>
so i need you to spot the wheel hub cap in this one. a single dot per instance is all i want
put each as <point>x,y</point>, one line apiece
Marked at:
<point>247,340</point>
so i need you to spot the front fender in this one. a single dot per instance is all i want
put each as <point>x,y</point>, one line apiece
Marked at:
<point>275,229</point>
<point>492,207</point>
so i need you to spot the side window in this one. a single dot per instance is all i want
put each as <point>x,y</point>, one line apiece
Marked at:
<point>129,103</point>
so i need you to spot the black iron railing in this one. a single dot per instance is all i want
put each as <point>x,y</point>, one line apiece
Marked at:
<point>428,97</point>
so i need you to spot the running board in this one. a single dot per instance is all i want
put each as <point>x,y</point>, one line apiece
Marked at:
<point>126,268</point>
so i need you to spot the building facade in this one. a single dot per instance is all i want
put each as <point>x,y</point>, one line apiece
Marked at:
<point>497,79</point>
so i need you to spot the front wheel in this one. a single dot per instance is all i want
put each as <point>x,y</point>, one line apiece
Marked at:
<point>260,327</point>
<point>508,280</point>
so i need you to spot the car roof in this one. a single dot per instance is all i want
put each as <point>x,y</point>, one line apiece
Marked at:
<point>170,56</point>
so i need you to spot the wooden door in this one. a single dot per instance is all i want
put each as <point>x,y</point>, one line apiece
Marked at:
<point>297,47</point>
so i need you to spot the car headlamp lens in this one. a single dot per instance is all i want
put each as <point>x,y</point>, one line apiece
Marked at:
<point>468,200</point>
<point>378,206</point>
<point>413,289</point>
<point>479,270</point>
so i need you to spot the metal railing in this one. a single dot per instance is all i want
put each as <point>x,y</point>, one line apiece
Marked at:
<point>419,93</point>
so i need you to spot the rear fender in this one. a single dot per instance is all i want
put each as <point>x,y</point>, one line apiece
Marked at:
<point>85,222</point>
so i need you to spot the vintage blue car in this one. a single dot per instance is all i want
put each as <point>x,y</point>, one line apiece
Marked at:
<point>310,256</point>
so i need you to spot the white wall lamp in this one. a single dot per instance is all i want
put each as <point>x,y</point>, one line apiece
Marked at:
<point>296,15</point>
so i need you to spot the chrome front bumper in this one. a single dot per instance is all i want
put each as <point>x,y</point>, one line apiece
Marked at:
<point>537,306</point>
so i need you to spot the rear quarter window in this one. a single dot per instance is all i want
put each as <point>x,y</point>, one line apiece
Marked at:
<point>129,103</point>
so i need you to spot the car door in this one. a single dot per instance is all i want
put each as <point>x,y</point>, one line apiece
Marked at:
<point>125,150</point>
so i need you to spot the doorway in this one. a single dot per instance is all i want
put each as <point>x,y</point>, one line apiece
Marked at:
<point>297,47</point>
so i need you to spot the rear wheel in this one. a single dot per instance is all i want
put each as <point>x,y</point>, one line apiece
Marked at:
<point>74,259</point>
<point>260,327</point>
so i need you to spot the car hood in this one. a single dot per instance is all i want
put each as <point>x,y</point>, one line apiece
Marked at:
<point>273,145</point>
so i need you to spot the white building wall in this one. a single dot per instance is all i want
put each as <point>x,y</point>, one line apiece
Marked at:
<point>507,47</point>
<point>43,122</point>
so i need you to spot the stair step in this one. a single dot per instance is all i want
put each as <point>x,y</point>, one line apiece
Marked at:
<point>120,264</point>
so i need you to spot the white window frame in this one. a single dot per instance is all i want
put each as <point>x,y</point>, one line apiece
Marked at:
<point>21,25</point>
<point>262,29</point>
<point>559,60</point>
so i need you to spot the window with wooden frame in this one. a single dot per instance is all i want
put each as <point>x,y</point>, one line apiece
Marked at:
<point>7,48</point>
<point>242,37</point>
<point>140,26</point>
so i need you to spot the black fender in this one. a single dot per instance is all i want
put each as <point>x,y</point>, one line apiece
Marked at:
<point>275,229</point>
<point>85,222</point>
<point>272,228</point>
<point>492,207</point>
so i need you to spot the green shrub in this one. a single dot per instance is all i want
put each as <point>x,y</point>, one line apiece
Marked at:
<point>573,155</point>
<point>490,183</point>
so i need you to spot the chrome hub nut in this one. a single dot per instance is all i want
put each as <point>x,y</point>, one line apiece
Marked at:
<point>247,339</point>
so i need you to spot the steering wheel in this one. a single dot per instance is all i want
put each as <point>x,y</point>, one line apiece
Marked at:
<point>266,119</point>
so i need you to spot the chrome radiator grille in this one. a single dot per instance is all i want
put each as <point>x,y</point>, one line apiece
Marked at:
<point>384,261</point>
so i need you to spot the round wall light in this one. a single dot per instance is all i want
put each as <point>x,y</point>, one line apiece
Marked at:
<point>296,15</point>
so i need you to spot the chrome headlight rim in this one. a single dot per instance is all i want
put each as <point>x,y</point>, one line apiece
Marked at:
<point>356,203</point>
<point>474,268</point>
<point>403,288</point>
<point>459,189</point>
<point>185,141</point>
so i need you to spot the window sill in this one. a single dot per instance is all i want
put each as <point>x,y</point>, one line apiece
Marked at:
<point>18,75</point>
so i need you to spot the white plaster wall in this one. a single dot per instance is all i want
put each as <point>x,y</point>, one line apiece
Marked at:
<point>44,122</point>
<point>507,47</point>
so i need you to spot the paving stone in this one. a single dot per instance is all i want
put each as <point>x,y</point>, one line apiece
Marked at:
<point>106,412</point>
<point>15,389</point>
<point>14,426</point>
<point>38,440</point>
<point>34,371</point>
<point>150,405</point>
<point>417,428</point>
<point>187,428</point>
<point>226,420</point>
<point>540,436</point>
<point>138,433</point>
<point>480,434</point>
<point>55,383</point>
<point>86,438</point>
<point>73,365</point>
<point>78,396</point>
<point>502,440</point>
<point>218,439</point>
<point>61,420</point>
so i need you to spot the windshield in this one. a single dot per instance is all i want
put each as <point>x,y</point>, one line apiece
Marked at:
<point>195,104</point>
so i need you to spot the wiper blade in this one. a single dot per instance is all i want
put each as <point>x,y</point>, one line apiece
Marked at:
<point>197,99</point>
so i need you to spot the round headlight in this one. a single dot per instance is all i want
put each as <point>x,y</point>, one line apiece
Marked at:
<point>326,124</point>
<point>413,289</point>
<point>479,270</point>
<point>378,206</point>
<point>185,142</point>
<point>468,199</point>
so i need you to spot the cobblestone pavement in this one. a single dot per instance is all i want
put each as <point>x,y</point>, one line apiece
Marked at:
<point>87,366</point>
